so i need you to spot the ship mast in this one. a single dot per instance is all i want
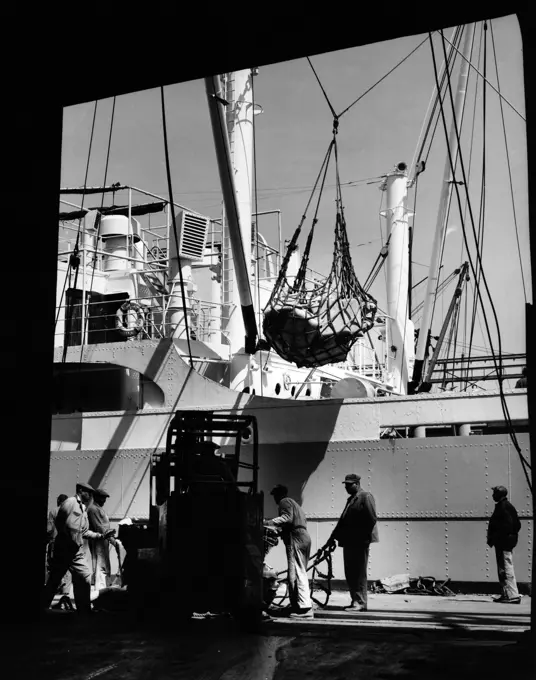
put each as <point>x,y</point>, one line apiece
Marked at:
<point>400,329</point>
<point>442,215</point>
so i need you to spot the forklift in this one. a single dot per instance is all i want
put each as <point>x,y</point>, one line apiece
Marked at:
<point>203,547</point>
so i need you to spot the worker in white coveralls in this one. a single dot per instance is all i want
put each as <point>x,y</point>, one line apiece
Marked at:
<point>293,525</point>
<point>70,549</point>
<point>100,547</point>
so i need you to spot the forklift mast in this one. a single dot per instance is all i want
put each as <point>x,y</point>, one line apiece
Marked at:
<point>193,461</point>
<point>206,516</point>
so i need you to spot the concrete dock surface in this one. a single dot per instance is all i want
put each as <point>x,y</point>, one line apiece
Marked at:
<point>400,636</point>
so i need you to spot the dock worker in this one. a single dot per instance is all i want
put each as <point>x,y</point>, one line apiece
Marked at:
<point>51,536</point>
<point>70,550</point>
<point>355,531</point>
<point>503,529</point>
<point>51,522</point>
<point>293,525</point>
<point>100,547</point>
<point>522,382</point>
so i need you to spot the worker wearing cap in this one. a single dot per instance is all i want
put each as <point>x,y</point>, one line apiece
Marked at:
<point>503,530</point>
<point>293,525</point>
<point>355,531</point>
<point>100,547</point>
<point>70,552</point>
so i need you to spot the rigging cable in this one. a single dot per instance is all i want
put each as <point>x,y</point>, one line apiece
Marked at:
<point>337,116</point>
<point>440,100</point>
<point>323,90</point>
<point>472,137</point>
<point>508,161</point>
<point>382,78</point>
<point>471,147</point>
<point>440,289</point>
<point>449,204</point>
<point>411,236</point>
<point>435,98</point>
<point>258,283</point>
<point>490,84</point>
<point>74,260</point>
<point>482,210</point>
<point>98,226</point>
<point>524,462</point>
<point>381,232</point>
<point>170,190</point>
<point>302,271</point>
<point>498,366</point>
<point>377,266</point>
<point>453,334</point>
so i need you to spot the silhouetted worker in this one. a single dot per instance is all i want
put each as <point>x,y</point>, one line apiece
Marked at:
<point>209,463</point>
<point>52,532</point>
<point>522,382</point>
<point>51,523</point>
<point>100,547</point>
<point>297,541</point>
<point>503,530</point>
<point>69,550</point>
<point>355,531</point>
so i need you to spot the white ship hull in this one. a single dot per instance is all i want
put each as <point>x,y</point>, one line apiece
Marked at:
<point>433,494</point>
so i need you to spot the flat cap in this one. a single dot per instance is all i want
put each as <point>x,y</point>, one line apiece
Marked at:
<point>352,479</point>
<point>102,493</point>
<point>85,487</point>
<point>501,490</point>
<point>279,490</point>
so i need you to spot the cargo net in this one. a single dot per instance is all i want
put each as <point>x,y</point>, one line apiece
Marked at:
<point>313,324</point>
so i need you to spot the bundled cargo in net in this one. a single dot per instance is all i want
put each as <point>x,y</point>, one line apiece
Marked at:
<point>314,324</point>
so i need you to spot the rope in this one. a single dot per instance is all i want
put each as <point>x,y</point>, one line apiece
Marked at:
<point>170,190</point>
<point>381,79</point>
<point>462,119</point>
<point>74,260</point>
<point>487,81</point>
<point>257,220</point>
<point>377,266</point>
<point>316,325</point>
<point>300,278</point>
<point>498,366</point>
<point>411,238</point>
<point>444,67</point>
<point>508,163</point>
<point>99,220</point>
<point>323,90</point>
<point>482,211</point>
<point>472,137</point>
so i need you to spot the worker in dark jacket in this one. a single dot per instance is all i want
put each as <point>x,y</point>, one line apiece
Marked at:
<point>52,532</point>
<point>355,531</point>
<point>70,550</point>
<point>293,526</point>
<point>503,530</point>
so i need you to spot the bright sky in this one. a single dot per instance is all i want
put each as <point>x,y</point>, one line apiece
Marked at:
<point>291,139</point>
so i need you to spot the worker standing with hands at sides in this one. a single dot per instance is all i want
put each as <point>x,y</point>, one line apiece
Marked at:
<point>70,550</point>
<point>293,525</point>
<point>356,529</point>
<point>503,529</point>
